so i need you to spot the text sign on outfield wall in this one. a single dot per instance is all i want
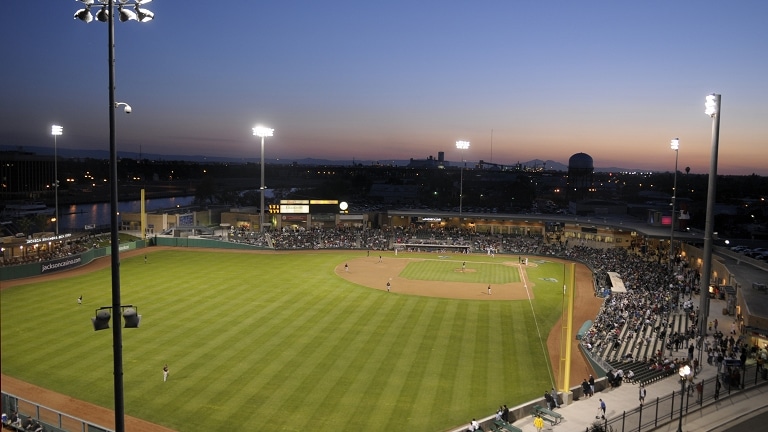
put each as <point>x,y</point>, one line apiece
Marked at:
<point>61,264</point>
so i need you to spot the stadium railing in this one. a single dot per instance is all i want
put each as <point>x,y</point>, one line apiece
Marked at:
<point>51,419</point>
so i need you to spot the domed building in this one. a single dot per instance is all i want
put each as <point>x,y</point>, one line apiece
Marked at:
<point>580,177</point>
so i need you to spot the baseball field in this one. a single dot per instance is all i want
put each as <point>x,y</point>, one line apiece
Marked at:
<point>291,341</point>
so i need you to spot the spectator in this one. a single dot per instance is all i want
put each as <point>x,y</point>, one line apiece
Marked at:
<point>548,399</point>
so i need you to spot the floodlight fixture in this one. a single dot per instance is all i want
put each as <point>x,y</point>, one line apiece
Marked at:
<point>101,320</point>
<point>84,14</point>
<point>712,105</point>
<point>103,14</point>
<point>262,131</point>
<point>126,14</point>
<point>131,317</point>
<point>143,15</point>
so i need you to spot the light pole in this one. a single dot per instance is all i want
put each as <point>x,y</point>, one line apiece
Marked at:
<point>262,132</point>
<point>106,14</point>
<point>56,131</point>
<point>712,110</point>
<point>675,145</point>
<point>462,145</point>
<point>684,372</point>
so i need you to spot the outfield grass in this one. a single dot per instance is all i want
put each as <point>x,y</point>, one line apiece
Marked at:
<point>278,341</point>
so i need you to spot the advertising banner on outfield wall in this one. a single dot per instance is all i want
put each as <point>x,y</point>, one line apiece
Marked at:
<point>61,264</point>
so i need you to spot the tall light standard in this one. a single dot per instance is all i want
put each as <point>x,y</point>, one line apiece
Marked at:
<point>262,132</point>
<point>462,145</point>
<point>684,371</point>
<point>712,110</point>
<point>106,14</point>
<point>56,131</point>
<point>675,144</point>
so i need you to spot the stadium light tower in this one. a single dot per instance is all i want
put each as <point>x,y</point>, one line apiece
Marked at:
<point>56,131</point>
<point>462,145</point>
<point>675,145</point>
<point>713,110</point>
<point>261,131</point>
<point>106,14</point>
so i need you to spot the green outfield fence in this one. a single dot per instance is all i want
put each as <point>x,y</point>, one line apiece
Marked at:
<point>39,268</point>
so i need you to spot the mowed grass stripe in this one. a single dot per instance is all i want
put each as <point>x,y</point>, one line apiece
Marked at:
<point>279,339</point>
<point>347,385</point>
<point>395,361</point>
<point>425,376</point>
<point>417,347</point>
<point>360,373</point>
<point>329,358</point>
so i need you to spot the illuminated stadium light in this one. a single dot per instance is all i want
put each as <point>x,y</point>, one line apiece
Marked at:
<point>462,145</point>
<point>261,131</point>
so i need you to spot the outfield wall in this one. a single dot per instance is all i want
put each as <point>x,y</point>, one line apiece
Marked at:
<point>201,243</point>
<point>42,268</point>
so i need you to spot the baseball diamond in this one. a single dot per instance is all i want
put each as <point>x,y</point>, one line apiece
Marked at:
<point>292,340</point>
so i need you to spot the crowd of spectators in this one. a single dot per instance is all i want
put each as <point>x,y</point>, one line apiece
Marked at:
<point>51,251</point>
<point>401,238</point>
<point>641,314</point>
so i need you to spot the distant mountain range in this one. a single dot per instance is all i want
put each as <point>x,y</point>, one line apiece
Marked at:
<point>549,165</point>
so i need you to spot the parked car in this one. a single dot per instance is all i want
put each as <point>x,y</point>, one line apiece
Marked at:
<point>762,257</point>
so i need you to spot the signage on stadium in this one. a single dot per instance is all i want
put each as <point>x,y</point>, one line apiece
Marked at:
<point>292,208</point>
<point>61,264</point>
<point>45,239</point>
<point>288,202</point>
<point>323,202</point>
<point>324,217</point>
<point>294,218</point>
<point>431,219</point>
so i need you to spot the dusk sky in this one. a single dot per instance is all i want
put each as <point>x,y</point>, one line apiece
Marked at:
<point>395,80</point>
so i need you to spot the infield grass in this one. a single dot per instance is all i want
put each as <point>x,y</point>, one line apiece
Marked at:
<point>452,271</point>
<point>278,341</point>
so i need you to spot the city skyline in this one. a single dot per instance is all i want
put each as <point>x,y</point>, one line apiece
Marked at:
<point>343,81</point>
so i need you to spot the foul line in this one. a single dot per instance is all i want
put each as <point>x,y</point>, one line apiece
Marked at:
<point>523,276</point>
